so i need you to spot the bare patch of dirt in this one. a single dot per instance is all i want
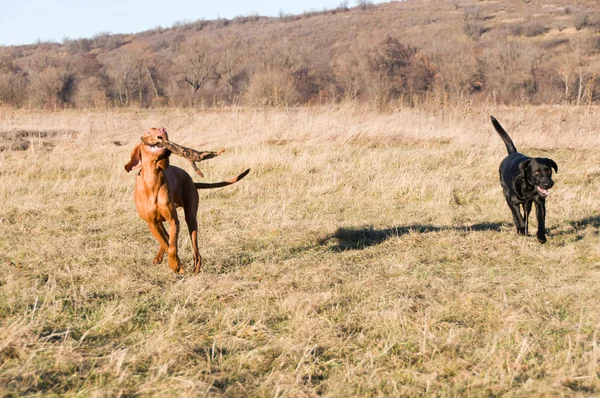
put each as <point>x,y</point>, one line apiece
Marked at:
<point>22,140</point>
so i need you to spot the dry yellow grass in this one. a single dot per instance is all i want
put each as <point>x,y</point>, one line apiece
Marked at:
<point>366,254</point>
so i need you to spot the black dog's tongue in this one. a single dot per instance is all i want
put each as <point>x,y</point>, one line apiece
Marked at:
<point>543,192</point>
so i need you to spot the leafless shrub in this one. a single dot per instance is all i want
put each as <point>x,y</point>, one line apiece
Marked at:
<point>271,88</point>
<point>554,43</point>
<point>78,46</point>
<point>241,20</point>
<point>510,70</point>
<point>458,71</point>
<point>343,6</point>
<point>396,70</point>
<point>13,89</point>
<point>473,22</point>
<point>13,83</point>
<point>107,41</point>
<point>90,93</point>
<point>528,29</point>
<point>586,20</point>
<point>45,87</point>
<point>364,4</point>
<point>580,21</point>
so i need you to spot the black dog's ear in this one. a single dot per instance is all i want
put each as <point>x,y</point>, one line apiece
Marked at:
<point>549,163</point>
<point>523,166</point>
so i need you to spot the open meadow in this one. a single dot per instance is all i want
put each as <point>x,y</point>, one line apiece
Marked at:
<point>366,254</point>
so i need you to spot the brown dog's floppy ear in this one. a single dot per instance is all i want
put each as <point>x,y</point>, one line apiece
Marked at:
<point>549,163</point>
<point>136,159</point>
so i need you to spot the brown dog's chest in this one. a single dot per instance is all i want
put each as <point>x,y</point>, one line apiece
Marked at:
<point>152,202</point>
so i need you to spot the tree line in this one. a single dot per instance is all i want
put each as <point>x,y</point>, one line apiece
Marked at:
<point>216,69</point>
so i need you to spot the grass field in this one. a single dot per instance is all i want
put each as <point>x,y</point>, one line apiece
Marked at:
<point>366,254</point>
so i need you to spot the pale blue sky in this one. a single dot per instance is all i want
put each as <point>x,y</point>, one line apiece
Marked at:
<point>26,21</point>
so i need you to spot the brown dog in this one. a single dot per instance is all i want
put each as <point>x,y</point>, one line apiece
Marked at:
<point>160,189</point>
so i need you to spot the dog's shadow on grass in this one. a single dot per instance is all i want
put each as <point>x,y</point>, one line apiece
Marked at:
<point>593,221</point>
<point>361,238</point>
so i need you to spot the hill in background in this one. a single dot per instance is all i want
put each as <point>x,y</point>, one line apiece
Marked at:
<point>410,52</point>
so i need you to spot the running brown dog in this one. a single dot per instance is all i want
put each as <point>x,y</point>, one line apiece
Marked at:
<point>160,189</point>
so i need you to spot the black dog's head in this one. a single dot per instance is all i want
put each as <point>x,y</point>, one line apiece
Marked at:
<point>537,172</point>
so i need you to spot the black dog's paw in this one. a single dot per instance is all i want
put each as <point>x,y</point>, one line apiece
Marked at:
<point>541,239</point>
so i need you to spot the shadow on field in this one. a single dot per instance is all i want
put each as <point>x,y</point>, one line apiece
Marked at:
<point>593,221</point>
<point>358,239</point>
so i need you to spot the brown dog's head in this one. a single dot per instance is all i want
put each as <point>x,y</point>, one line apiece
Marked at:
<point>148,149</point>
<point>537,172</point>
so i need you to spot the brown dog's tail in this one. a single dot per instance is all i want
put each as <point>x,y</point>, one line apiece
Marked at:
<point>203,185</point>
<point>510,146</point>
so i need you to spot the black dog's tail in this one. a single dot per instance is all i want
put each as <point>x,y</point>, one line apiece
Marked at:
<point>510,147</point>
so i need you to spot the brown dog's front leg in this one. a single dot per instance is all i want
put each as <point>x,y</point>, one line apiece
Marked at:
<point>174,262</point>
<point>159,256</point>
<point>165,245</point>
<point>161,252</point>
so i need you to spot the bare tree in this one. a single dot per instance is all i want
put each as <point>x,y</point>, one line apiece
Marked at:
<point>565,69</point>
<point>231,69</point>
<point>364,4</point>
<point>511,70</point>
<point>121,72</point>
<point>197,64</point>
<point>13,83</point>
<point>395,69</point>
<point>132,75</point>
<point>457,67</point>
<point>581,47</point>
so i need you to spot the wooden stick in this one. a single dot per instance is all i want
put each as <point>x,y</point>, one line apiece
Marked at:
<point>190,154</point>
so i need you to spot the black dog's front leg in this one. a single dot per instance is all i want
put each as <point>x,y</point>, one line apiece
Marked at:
<point>527,211</point>
<point>540,212</point>
<point>515,208</point>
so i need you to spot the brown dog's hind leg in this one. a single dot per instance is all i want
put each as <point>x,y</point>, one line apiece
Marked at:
<point>195,251</point>
<point>192,222</point>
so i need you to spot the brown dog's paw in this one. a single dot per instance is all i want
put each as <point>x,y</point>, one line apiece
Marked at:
<point>197,265</point>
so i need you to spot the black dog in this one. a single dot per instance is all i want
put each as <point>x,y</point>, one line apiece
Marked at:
<point>525,180</point>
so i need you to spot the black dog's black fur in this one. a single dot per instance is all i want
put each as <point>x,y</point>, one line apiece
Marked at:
<point>525,181</point>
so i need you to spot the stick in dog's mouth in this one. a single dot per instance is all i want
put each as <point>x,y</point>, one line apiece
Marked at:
<point>190,154</point>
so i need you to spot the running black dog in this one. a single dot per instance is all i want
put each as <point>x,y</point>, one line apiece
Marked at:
<point>525,180</point>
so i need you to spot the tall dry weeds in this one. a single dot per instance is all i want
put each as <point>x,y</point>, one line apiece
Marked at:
<point>366,254</point>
